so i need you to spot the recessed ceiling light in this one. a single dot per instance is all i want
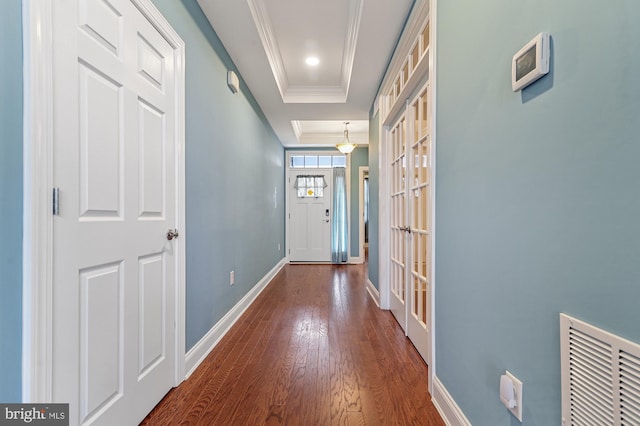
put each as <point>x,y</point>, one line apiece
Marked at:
<point>312,61</point>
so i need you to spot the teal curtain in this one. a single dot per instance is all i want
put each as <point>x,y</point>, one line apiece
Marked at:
<point>339,237</point>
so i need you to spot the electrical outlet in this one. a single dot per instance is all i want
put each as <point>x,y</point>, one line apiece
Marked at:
<point>517,384</point>
<point>232,278</point>
<point>278,246</point>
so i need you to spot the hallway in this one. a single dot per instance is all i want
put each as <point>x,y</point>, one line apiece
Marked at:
<point>313,349</point>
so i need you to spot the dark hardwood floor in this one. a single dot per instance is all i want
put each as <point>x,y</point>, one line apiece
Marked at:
<point>313,349</point>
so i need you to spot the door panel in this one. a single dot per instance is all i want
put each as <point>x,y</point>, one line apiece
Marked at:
<point>310,226</point>
<point>398,221</point>
<point>151,294</point>
<point>101,144</point>
<point>114,161</point>
<point>420,235</point>
<point>102,20</point>
<point>101,341</point>
<point>152,177</point>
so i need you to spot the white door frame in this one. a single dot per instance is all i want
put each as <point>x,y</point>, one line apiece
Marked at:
<point>427,8</point>
<point>287,197</point>
<point>362,171</point>
<point>384,216</point>
<point>433,25</point>
<point>37,306</point>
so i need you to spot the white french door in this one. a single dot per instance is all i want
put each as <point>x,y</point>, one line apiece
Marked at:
<point>411,221</point>
<point>398,220</point>
<point>420,224</point>
<point>310,215</point>
<point>115,162</point>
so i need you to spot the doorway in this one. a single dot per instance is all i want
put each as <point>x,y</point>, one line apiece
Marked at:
<point>410,227</point>
<point>310,216</point>
<point>104,316</point>
<point>317,207</point>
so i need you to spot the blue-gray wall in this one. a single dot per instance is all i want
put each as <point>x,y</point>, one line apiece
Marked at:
<point>537,194</point>
<point>359,158</point>
<point>11,200</point>
<point>374,185</point>
<point>234,178</point>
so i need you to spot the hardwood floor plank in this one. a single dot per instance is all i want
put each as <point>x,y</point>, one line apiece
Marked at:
<point>313,349</point>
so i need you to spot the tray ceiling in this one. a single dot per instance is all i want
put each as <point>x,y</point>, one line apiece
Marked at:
<point>269,41</point>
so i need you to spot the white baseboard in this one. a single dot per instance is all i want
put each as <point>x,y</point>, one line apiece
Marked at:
<point>446,406</point>
<point>373,292</point>
<point>356,260</point>
<point>199,352</point>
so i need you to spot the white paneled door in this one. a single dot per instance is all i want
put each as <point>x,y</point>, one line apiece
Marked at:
<point>310,216</point>
<point>410,170</point>
<point>114,266</point>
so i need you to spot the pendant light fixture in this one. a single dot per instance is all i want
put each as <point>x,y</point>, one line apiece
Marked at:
<point>345,146</point>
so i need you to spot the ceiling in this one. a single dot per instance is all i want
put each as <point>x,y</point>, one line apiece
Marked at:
<point>269,41</point>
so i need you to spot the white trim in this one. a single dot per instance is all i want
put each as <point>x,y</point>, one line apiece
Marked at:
<point>307,94</point>
<point>361,172</point>
<point>37,344</point>
<point>446,406</point>
<point>200,350</point>
<point>38,174</point>
<point>376,105</point>
<point>297,128</point>
<point>347,177</point>
<point>350,43</point>
<point>414,24</point>
<point>373,292</point>
<point>417,78</point>
<point>383,218</point>
<point>433,49</point>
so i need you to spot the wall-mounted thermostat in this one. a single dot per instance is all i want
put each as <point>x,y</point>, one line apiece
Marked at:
<point>531,62</point>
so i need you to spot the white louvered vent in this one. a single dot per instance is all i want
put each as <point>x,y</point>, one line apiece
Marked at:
<point>600,376</point>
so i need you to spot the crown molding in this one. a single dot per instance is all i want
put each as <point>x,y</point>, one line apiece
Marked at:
<point>307,94</point>
<point>297,128</point>
<point>265,31</point>
<point>315,95</point>
<point>350,43</point>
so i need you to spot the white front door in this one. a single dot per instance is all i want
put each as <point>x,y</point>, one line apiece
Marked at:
<point>411,222</point>
<point>310,216</point>
<point>114,269</point>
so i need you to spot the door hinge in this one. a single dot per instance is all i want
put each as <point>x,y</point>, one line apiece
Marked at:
<point>55,202</point>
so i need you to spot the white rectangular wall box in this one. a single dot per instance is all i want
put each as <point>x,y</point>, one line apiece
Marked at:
<point>233,82</point>
<point>531,62</point>
<point>511,394</point>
